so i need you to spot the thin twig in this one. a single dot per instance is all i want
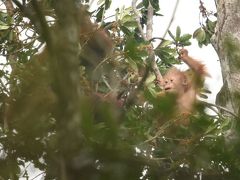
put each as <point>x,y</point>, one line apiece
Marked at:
<point>25,169</point>
<point>106,60</point>
<point>38,175</point>
<point>152,39</point>
<point>171,21</point>
<point>159,132</point>
<point>214,110</point>
<point>220,107</point>
<point>106,83</point>
<point>4,89</point>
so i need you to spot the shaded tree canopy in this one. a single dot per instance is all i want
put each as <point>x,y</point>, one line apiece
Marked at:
<point>79,98</point>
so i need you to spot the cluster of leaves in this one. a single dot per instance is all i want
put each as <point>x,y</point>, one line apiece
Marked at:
<point>204,33</point>
<point>67,132</point>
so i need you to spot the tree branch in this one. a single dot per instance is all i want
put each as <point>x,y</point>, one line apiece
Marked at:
<point>149,22</point>
<point>161,130</point>
<point>219,107</point>
<point>149,37</point>
<point>171,21</point>
<point>137,16</point>
<point>9,7</point>
<point>43,24</point>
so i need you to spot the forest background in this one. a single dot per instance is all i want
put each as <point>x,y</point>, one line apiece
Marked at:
<point>72,109</point>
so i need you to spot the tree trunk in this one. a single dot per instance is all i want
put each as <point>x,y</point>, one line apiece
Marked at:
<point>228,30</point>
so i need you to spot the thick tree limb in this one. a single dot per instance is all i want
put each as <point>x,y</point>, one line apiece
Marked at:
<point>9,7</point>
<point>36,16</point>
<point>226,43</point>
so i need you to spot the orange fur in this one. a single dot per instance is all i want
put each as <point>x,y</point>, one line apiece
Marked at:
<point>94,41</point>
<point>185,84</point>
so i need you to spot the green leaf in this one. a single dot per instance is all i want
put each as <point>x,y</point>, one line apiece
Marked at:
<point>126,18</point>
<point>100,2</point>
<point>165,43</point>
<point>107,4</point>
<point>2,73</point>
<point>3,26</point>
<point>204,96</point>
<point>3,17</point>
<point>158,14</point>
<point>184,40</point>
<point>155,4</point>
<point>132,49</point>
<point>149,81</point>
<point>124,12</point>
<point>130,24</point>
<point>186,43</point>
<point>178,33</point>
<point>145,3</point>
<point>196,32</point>
<point>211,25</point>
<point>151,90</point>
<point>132,64</point>
<point>200,35</point>
<point>99,15</point>
<point>126,31</point>
<point>204,90</point>
<point>171,35</point>
<point>185,37</point>
<point>167,55</point>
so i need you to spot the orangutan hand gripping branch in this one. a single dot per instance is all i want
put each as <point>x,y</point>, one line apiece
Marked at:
<point>185,85</point>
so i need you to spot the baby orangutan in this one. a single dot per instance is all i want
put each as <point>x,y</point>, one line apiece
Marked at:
<point>185,85</point>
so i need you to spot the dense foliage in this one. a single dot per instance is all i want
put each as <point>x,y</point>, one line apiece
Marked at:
<point>102,120</point>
